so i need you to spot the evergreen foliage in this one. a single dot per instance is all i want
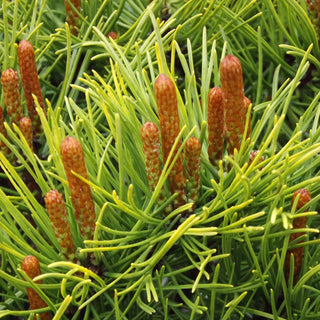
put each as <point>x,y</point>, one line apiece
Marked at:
<point>224,256</point>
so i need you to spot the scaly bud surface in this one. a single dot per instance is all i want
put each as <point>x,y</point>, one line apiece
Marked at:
<point>11,93</point>
<point>215,125</point>
<point>72,16</point>
<point>26,129</point>
<point>150,137</point>
<point>31,266</point>
<point>298,223</point>
<point>165,93</point>
<point>30,82</point>
<point>58,215</point>
<point>193,164</point>
<point>233,101</point>
<point>73,160</point>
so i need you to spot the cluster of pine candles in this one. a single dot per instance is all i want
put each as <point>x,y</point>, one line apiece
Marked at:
<point>29,125</point>
<point>227,113</point>
<point>228,124</point>
<point>71,153</point>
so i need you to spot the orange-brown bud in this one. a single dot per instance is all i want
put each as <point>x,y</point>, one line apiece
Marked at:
<point>233,101</point>
<point>31,266</point>
<point>30,82</point>
<point>151,148</point>
<point>72,16</point>
<point>58,215</point>
<point>27,130</point>
<point>113,35</point>
<point>298,223</point>
<point>215,125</point>
<point>165,93</point>
<point>193,164</point>
<point>73,160</point>
<point>11,93</point>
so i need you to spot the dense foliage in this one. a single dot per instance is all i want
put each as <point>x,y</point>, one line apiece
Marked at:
<point>222,258</point>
